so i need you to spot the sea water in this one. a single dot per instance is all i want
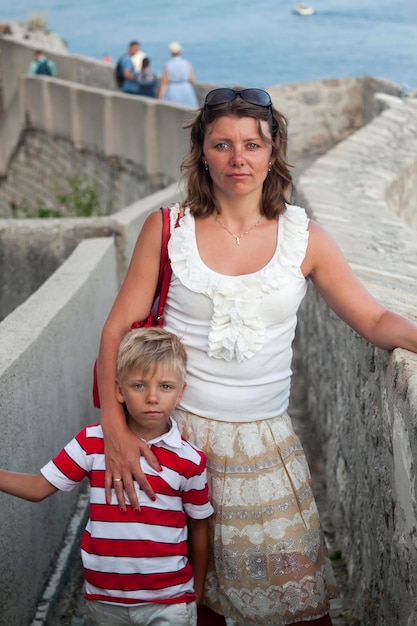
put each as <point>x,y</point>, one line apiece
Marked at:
<point>242,41</point>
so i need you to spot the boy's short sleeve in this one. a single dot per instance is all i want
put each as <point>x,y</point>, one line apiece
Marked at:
<point>74,462</point>
<point>195,492</point>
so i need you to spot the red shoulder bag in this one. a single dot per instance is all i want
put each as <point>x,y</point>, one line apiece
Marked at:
<point>156,315</point>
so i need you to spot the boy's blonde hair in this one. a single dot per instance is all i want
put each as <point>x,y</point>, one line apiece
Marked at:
<point>146,348</point>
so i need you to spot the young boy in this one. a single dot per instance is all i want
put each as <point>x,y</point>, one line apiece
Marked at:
<point>136,564</point>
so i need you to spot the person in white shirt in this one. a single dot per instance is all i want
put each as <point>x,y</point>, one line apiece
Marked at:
<point>137,58</point>
<point>241,259</point>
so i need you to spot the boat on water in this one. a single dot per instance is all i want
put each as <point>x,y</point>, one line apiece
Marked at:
<point>303,9</point>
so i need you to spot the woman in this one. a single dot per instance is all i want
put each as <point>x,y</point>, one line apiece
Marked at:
<point>241,259</point>
<point>177,82</point>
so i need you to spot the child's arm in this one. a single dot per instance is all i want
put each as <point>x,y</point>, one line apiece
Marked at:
<point>32,487</point>
<point>198,553</point>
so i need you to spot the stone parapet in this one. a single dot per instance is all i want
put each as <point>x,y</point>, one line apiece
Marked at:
<point>47,352</point>
<point>32,250</point>
<point>363,399</point>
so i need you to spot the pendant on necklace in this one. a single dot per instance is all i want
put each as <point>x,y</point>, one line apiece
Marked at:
<point>238,237</point>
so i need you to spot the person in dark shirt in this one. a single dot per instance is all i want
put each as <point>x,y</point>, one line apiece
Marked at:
<point>41,65</point>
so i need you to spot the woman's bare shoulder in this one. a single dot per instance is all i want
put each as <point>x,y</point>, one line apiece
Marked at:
<point>151,228</point>
<point>320,246</point>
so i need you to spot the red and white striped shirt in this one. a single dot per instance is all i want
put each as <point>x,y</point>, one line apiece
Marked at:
<point>130,558</point>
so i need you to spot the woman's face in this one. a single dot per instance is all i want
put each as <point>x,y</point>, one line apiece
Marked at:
<point>236,155</point>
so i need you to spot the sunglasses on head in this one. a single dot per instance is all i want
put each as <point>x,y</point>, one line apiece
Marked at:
<point>259,97</point>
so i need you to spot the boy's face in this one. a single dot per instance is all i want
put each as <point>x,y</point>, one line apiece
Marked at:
<point>150,399</point>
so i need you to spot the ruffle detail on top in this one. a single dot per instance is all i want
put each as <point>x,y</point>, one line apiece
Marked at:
<point>237,331</point>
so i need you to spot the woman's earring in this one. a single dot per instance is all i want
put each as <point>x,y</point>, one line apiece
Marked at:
<point>206,166</point>
<point>269,166</point>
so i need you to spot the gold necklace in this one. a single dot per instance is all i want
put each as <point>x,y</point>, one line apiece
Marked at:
<point>238,237</point>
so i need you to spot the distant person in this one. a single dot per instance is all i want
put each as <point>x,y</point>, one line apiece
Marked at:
<point>125,73</point>
<point>177,83</point>
<point>41,65</point>
<point>148,81</point>
<point>142,566</point>
<point>137,58</point>
<point>106,58</point>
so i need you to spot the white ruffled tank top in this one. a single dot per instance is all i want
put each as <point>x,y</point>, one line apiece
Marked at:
<point>238,330</point>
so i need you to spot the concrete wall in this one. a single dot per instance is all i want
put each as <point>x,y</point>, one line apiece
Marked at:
<point>18,54</point>
<point>364,400</point>
<point>48,347</point>
<point>49,177</point>
<point>322,113</point>
<point>15,57</point>
<point>31,250</point>
<point>109,123</point>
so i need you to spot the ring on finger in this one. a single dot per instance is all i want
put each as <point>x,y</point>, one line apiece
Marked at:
<point>117,480</point>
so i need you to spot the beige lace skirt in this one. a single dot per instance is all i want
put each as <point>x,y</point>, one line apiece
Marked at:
<point>268,563</point>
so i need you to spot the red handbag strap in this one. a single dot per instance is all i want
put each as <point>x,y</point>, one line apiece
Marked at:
<point>164,246</point>
<point>165,271</point>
